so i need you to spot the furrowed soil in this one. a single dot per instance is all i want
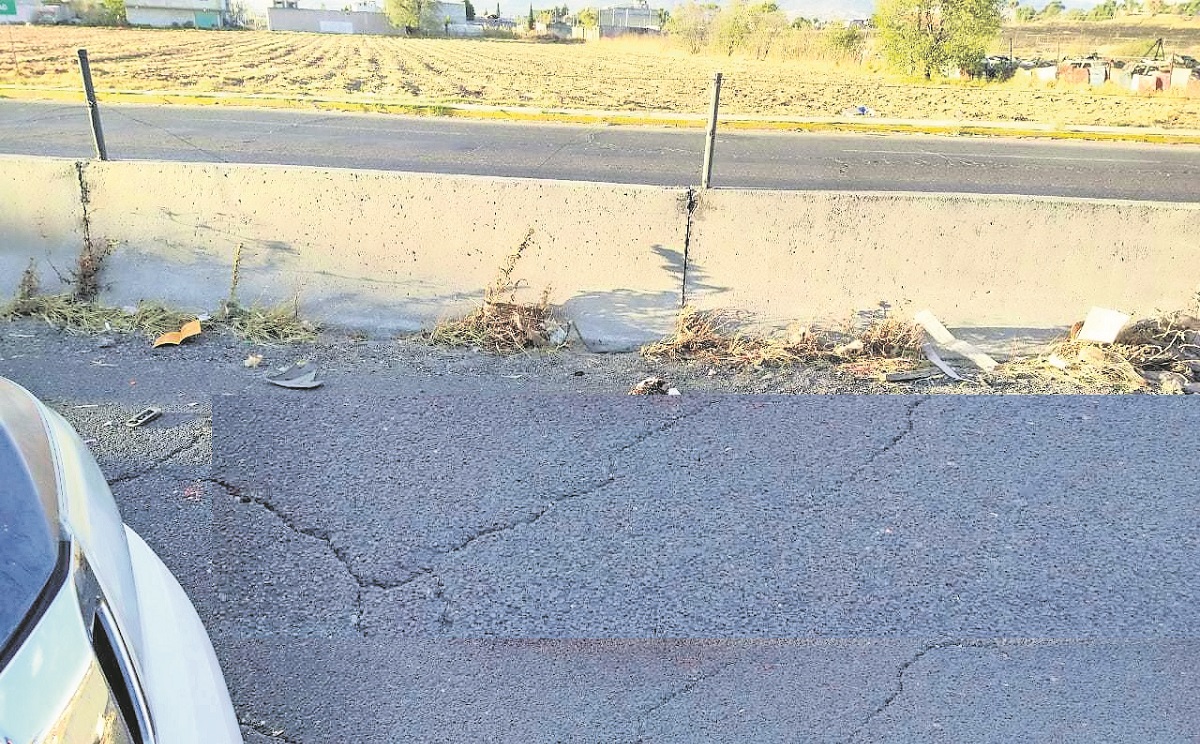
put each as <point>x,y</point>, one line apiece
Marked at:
<point>646,76</point>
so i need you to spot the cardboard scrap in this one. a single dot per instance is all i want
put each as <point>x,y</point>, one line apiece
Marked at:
<point>174,338</point>
<point>1102,326</point>
<point>946,340</point>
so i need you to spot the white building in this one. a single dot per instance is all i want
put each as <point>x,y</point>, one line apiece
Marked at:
<point>629,19</point>
<point>27,11</point>
<point>182,13</point>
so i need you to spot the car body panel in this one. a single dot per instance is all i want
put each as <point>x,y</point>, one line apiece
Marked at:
<point>134,632</point>
<point>185,687</point>
<point>90,515</point>
<point>53,689</point>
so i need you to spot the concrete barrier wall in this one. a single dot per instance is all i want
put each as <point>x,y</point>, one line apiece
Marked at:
<point>977,261</point>
<point>41,218</point>
<point>389,251</point>
<point>396,252</point>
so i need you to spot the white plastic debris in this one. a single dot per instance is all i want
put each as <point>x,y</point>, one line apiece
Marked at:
<point>1102,326</point>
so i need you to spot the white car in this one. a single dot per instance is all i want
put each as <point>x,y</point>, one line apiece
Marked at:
<point>98,642</point>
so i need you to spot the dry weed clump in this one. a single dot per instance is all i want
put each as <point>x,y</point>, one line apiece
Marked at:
<point>715,338</point>
<point>891,338</point>
<point>75,316</point>
<point>1088,366</point>
<point>1143,352</point>
<point>280,324</point>
<point>501,324</point>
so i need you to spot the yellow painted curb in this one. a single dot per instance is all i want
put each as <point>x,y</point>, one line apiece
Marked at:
<point>499,113</point>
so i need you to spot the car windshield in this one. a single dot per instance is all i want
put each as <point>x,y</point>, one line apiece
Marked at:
<point>28,550</point>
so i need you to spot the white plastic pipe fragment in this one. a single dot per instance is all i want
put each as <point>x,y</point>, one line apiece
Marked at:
<point>944,338</point>
<point>932,355</point>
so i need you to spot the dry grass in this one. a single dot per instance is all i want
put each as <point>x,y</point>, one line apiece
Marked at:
<point>719,339</point>
<point>1121,37</point>
<point>648,76</point>
<point>68,313</point>
<point>1088,366</point>
<point>72,313</point>
<point>1150,345</point>
<point>501,324</point>
<point>280,324</point>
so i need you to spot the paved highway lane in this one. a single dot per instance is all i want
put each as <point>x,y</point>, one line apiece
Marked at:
<point>451,555</point>
<point>614,154</point>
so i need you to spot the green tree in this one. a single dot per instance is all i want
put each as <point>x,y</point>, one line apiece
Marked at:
<point>1053,9</point>
<point>1103,11</point>
<point>114,12</point>
<point>470,10</point>
<point>420,14</point>
<point>733,27</point>
<point>692,24</point>
<point>844,41</point>
<point>1025,14</point>
<point>588,18</point>
<point>532,22</point>
<point>921,36</point>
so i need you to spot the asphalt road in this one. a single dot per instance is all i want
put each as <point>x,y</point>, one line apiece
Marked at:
<point>612,154</point>
<point>404,555</point>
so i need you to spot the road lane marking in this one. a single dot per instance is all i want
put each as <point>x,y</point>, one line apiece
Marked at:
<point>919,153</point>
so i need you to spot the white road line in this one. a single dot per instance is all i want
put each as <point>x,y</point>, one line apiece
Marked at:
<point>919,153</point>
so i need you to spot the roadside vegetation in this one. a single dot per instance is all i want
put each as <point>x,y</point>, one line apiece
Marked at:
<point>79,311</point>
<point>501,324</point>
<point>723,339</point>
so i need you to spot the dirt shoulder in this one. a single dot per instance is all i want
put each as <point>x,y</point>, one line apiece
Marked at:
<point>216,364</point>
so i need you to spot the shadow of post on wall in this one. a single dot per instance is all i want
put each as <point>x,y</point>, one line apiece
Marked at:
<point>624,319</point>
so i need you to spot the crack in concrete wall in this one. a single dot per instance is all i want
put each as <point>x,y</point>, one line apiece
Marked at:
<point>85,200</point>
<point>692,203</point>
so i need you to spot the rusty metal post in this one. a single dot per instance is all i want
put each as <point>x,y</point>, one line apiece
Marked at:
<point>93,107</point>
<point>711,139</point>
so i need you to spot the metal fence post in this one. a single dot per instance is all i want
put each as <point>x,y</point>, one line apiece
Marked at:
<point>711,139</point>
<point>93,108</point>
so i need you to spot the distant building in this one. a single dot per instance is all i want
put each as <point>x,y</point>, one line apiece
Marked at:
<point>557,29</point>
<point>363,17</point>
<point>27,11</point>
<point>456,12</point>
<point>619,20</point>
<point>179,13</point>
<point>283,18</point>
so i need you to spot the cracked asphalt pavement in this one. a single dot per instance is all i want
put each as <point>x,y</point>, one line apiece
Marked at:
<point>407,555</point>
